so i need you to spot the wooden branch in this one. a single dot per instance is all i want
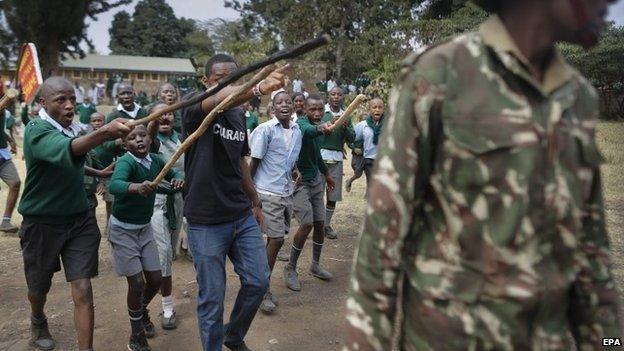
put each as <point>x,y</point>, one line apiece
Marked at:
<point>236,75</point>
<point>347,114</point>
<point>8,97</point>
<point>230,101</point>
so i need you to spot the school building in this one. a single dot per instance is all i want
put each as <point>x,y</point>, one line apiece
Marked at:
<point>147,73</point>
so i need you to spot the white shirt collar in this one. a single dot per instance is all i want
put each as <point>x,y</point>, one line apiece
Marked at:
<point>292,125</point>
<point>328,109</point>
<point>72,131</point>
<point>132,113</point>
<point>146,161</point>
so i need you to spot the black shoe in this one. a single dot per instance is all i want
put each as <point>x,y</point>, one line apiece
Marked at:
<point>138,342</point>
<point>239,347</point>
<point>40,336</point>
<point>150,330</point>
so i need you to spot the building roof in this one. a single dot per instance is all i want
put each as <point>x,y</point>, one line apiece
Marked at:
<point>130,63</point>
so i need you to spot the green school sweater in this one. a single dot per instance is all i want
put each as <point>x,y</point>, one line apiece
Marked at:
<point>134,208</point>
<point>85,112</point>
<point>121,114</point>
<point>106,152</point>
<point>310,161</point>
<point>251,121</point>
<point>338,137</point>
<point>54,187</point>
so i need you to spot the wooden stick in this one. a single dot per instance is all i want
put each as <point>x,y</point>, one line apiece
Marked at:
<point>8,97</point>
<point>229,102</point>
<point>236,75</point>
<point>350,109</point>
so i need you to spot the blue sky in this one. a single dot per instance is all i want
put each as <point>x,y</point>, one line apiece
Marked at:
<point>208,9</point>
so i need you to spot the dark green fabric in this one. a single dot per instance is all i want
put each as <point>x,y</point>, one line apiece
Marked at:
<point>375,127</point>
<point>335,141</point>
<point>252,121</point>
<point>54,190</point>
<point>85,112</point>
<point>106,152</point>
<point>310,161</point>
<point>122,114</point>
<point>133,208</point>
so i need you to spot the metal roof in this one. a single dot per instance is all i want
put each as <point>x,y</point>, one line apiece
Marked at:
<point>130,63</point>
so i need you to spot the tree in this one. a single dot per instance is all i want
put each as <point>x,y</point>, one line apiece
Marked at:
<point>350,23</point>
<point>604,67</point>
<point>154,30</point>
<point>55,26</point>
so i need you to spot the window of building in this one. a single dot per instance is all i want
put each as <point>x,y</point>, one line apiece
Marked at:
<point>76,74</point>
<point>125,75</point>
<point>140,76</point>
<point>155,77</point>
<point>94,75</point>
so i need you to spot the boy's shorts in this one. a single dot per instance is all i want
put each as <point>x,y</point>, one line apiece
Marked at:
<point>77,243</point>
<point>336,172</point>
<point>274,209</point>
<point>132,250</point>
<point>8,172</point>
<point>308,202</point>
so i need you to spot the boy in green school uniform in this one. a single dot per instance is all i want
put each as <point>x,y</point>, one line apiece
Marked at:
<point>332,146</point>
<point>134,251</point>
<point>85,110</point>
<point>57,221</point>
<point>126,106</point>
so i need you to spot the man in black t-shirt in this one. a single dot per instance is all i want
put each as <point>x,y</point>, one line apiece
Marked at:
<point>223,211</point>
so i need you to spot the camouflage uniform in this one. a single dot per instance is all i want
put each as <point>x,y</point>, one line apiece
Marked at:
<point>486,198</point>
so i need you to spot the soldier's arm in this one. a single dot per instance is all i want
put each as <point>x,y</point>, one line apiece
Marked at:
<point>371,306</point>
<point>593,306</point>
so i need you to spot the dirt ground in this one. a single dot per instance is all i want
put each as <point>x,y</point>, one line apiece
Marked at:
<point>312,319</point>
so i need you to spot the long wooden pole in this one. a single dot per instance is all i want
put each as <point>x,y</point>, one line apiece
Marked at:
<point>347,113</point>
<point>236,75</point>
<point>229,102</point>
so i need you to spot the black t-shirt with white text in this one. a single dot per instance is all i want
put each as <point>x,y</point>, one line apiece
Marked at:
<point>213,176</point>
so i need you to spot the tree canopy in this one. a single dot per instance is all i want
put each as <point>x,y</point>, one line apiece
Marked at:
<point>154,30</point>
<point>55,26</point>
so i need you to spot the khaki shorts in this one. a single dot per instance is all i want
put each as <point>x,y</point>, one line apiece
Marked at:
<point>336,172</point>
<point>274,210</point>
<point>308,202</point>
<point>8,173</point>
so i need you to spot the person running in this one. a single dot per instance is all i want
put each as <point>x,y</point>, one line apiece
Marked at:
<point>167,217</point>
<point>332,147</point>
<point>367,132</point>
<point>308,197</point>
<point>223,211</point>
<point>56,217</point>
<point>275,147</point>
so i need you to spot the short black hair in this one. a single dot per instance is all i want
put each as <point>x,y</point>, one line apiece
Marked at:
<point>218,58</point>
<point>315,96</point>
<point>297,94</point>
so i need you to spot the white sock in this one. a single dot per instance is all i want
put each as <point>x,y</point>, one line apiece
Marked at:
<point>167,306</point>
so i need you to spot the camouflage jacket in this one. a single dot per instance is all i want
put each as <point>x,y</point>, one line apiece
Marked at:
<point>486,203</point>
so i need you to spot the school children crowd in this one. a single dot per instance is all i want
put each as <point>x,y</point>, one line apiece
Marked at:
<point>240,182</point>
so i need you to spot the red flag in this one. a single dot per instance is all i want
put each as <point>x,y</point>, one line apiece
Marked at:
<point>28,72</point>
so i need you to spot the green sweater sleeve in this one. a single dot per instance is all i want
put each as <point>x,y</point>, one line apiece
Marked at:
<point>119,181</point>
<point>350,133</point>
<point>49,145</point>
<point>308,130</point>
